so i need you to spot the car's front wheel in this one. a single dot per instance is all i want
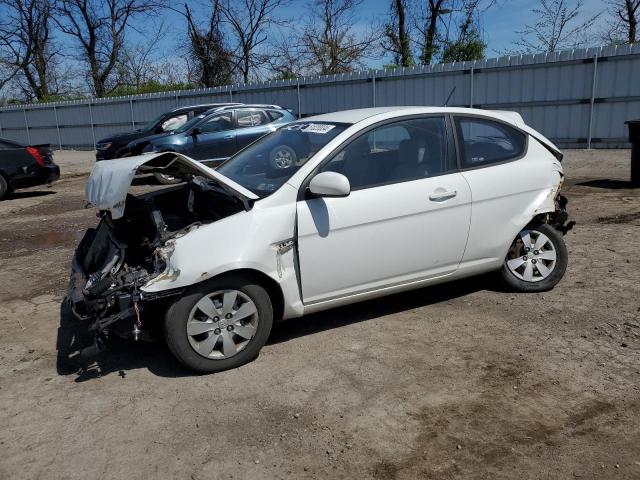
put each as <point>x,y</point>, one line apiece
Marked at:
<point>220,324</point>
<point>536,261</point>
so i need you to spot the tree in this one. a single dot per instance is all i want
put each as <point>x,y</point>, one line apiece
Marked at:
<point>27,51</point>
<point>329,38</point>
<point>287,57</point>
<point>432,13</point>
<point>397,36</point>
<point>558,26</point>
<point>467,45</point>
<point>209,59</point>
<point>249,21</point>
<point>624,25</point>
<point>100,28</point>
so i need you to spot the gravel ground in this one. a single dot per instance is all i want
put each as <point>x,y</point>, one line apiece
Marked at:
<point>455,381</point>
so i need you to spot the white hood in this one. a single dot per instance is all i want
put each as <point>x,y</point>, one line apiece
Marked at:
<point>110,180</point>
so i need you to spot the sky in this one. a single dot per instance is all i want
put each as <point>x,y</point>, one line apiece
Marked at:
<point>499,24</point>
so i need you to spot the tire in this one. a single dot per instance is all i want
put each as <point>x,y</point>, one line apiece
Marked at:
<point>198,332</point>
<point>282,157</point>
<point>166,179</point>
<point>5,188</point>
<point>542,266</point>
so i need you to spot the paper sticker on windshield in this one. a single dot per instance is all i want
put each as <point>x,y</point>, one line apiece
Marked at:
<point>318,128</point>
<point>312,127</point>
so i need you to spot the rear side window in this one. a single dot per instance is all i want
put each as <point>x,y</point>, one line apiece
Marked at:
<point>251,118</point>
<point>484,141</point>
<point>275,115</point>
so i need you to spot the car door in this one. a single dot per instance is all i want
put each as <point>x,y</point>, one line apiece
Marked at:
<point>505,180</point>
<point>406,218</point>
<point>251,124</point>
<point>214,137</point>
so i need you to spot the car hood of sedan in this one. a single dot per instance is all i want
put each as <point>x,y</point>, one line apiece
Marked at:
<point>109,182</point>
<point>150,138</point>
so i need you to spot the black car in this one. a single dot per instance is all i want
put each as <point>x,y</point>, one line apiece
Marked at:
<point>115,146</point>
<point>23,166</point>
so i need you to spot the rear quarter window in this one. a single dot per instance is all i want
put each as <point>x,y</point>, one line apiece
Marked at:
<point>485,142</point>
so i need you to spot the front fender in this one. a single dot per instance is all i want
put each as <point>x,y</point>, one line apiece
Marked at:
<point>258,240</point>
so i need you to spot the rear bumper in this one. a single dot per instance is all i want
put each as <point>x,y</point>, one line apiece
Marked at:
<point>40,176</point>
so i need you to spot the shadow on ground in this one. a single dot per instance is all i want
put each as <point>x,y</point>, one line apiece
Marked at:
<point>608,184</point>
<point>33,194</point>
<point>122,356</point>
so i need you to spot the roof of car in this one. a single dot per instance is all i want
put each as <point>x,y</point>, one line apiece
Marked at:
<point>358,115</point>
<point>252,105</point>
<point>240,105</point>
<point>205,106</point>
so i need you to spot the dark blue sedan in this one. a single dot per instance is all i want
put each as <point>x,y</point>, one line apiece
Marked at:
<point>216,134</point>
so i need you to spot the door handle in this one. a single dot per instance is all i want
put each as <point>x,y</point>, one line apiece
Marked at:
<point>440,196</point>
<point>228,137</point>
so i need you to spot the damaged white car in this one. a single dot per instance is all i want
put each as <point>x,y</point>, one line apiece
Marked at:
<point>361,203</point>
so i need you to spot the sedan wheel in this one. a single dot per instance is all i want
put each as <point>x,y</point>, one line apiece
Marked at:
<point>536,261</point>
<point>283,157</point>
<point>536,257</point>
<point>219,324</point>
<point>222,323</point>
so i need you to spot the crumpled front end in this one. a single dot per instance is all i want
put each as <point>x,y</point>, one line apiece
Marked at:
<point>134,239</point>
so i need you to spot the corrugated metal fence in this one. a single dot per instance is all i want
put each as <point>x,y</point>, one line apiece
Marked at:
<point>578,98</point>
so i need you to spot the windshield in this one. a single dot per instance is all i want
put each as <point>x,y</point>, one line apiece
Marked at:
<point>190,124</point>
<point>267,164</point>
<point>152,124</point>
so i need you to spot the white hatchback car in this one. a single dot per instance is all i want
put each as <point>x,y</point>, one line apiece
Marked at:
<point>361,203</point>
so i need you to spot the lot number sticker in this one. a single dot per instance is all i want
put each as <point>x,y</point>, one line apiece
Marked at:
<point>312,127</point>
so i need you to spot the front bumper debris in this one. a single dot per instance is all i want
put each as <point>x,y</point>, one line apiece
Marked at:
<point>560,218</point>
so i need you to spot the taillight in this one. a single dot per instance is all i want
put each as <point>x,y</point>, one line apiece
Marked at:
<point>35,153</point>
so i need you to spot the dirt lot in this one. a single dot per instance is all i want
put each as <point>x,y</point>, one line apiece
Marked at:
<point>454,381</point>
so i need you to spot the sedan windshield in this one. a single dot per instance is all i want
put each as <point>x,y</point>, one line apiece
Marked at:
<point>151,126</point>
<point>267,164</point>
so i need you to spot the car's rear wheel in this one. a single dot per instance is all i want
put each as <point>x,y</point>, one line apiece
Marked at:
<point>220,324</point>
<point>283,157</point>
<point>5,188</point>
<point>536,261</point>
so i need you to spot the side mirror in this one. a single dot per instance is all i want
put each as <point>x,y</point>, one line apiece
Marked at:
<point>196,131</point>
<point>330,184</point>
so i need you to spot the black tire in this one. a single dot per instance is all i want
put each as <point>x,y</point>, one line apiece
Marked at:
<point>283,157</point>
<point>541,283</point>
<point>177,316</point>
<point>5,188</point>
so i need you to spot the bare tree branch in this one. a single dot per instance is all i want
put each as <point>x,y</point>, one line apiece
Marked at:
<point>558,26</point>
<point>330,39</point>
<point>26,46</point>
<point>250,21</point>
<point>623,26</point>
<point>100,27</point>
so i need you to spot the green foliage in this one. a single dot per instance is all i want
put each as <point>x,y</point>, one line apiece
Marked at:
<point>464,50</point>
<point>285,74</point>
